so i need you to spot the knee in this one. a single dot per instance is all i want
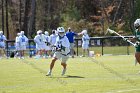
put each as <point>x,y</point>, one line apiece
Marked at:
<point>63,64</point>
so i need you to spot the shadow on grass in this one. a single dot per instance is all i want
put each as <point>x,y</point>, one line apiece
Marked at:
<point>67,76</point>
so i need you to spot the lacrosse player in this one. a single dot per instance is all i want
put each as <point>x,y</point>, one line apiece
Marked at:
<point>53,37</point>
<point>47,41</point>
<point>137,37</point>
<point>2,43</point>
<point>23,40</point>
<point>39,40</point>
<point>62,50</point>
<point>17,45</point>
<point>85,42</point>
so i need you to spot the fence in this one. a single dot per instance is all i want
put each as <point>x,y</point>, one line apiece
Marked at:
<point>103,45</point>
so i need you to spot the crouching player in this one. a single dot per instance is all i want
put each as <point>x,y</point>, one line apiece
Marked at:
<point>62,50</point>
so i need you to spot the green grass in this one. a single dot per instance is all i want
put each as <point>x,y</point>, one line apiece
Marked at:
<point>105,74</point>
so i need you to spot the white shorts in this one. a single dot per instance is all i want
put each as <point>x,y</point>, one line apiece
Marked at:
<point>39,47</point>
<point>62,58</point>
<point>85,46</point>
<point>2,45</point>
<point>22,47</point>
<point>47,48</point>
<point>17,47</point>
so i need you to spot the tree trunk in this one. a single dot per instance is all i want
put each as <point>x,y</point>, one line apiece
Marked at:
<point>7,19</point>
<point>2,15</point>
<point>117,11</point>
<point>32,19</point>
<point>26,17</point>
<point>20,4</point>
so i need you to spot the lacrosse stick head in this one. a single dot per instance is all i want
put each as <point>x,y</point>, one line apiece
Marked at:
<point>110,31</point>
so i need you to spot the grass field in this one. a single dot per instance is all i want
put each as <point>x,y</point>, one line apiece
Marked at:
<point>105,74</point>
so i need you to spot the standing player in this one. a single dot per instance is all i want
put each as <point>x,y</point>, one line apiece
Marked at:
<point>47,41</point>
<point>23,42</point>
<point>17,45</point>
<point>70,35</point>
<point>85,42</point>
<point>53,37</point>
<point>39,40</point>
<point>62,50</point>
<point>2,43</point>
<point>137,37</point>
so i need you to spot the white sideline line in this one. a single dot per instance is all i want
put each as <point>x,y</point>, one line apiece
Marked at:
<point>121,91</point>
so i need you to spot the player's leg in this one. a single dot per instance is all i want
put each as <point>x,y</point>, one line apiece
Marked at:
<point>51,66</point>
<point>22,54</point>
<point>84,52</point>
<point>63,63</point>
<point>56,56</point>
<point>137,55</point>
<point>64,68</point>
<point>0,52</point>
<point>88,51</point>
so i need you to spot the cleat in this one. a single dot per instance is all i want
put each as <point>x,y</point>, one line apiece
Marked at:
<point>63,72</point>
<point>49,73</point>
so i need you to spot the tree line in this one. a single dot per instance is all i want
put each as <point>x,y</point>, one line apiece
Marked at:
<point>93,15</point>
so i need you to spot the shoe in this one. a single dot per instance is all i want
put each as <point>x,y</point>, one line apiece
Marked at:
<point>63,72</point>
<point>82,56</point>
<point>49,73</point>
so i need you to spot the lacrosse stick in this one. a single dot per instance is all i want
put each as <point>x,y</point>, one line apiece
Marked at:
<point>112,31</point>
<point>135,45</point>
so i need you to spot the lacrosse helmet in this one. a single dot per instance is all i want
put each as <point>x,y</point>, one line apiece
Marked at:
<point>46,33</point>
<point>84,32</point>
<point>137,23</point>
<point>39,32</point>
<point>1,32</point>
<point>18,34</point>
<point>22,32</point>
<point>61,31</point>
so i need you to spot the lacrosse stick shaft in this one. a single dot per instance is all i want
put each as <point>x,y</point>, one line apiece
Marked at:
<point>123,37</point>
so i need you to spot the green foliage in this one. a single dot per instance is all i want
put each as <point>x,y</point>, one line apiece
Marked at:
<point>78,26</point>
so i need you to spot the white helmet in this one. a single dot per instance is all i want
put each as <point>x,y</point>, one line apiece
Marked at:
<point>1,32</point>
<point>46,33</point>
<point>69,28</point>
<point>61,31</point>
<point>84,32</point>
<point>137,23</point>
<point>22,32</point>
<point>18,34</point>
<point>39,32</point>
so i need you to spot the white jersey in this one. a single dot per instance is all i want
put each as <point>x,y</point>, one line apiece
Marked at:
<point>85,39</point>
<point>2,38</point>
<point>23,40</point>
<point>17,41</point>
<point>39,39</point>
<point>53,39</point>
<point>63,43</point>
<point>47,38</point>
<point>2,41</point>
